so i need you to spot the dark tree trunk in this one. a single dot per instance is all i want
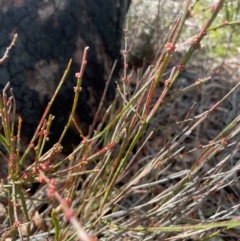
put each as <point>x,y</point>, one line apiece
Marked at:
<point>49,34</point>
